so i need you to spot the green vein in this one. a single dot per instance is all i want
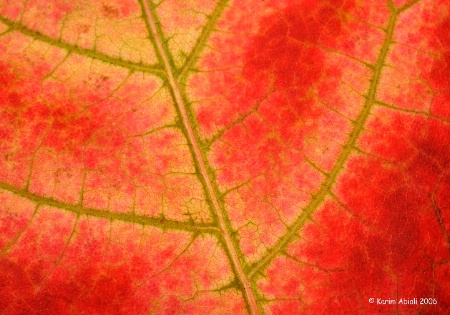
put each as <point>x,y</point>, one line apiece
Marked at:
<point>326,187</point>
<point>16,238</point>
<point>201,165</point>
<point>170,264</point>
<point>209,142</point>
<point>240,119</point>
<point>407,6</point>
<point>204,36</point>
<point>15,26</point>
<point>438,213</point>
<point>61,254</point>
<point>412,111</point>
<point>112,216</point>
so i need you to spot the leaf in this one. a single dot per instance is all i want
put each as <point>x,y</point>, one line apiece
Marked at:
<point>216,157</point>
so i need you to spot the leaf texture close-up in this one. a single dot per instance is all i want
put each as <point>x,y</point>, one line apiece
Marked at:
<point>225,157</point>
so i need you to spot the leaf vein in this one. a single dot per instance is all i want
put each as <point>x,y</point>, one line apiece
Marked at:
<point>348,148</point>
<point>200,161</point>
<point>109,215</point>
<point>16,26</point>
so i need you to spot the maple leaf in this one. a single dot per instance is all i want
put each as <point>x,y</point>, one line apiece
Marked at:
<point>220,157</point>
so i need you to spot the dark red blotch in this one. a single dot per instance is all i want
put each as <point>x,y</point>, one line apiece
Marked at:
<point>287,46</point>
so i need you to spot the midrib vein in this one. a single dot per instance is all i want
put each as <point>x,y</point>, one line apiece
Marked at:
<point>326,187</point>
<point>154,69</point>
<point>181,106</point>
<point>104,214</point>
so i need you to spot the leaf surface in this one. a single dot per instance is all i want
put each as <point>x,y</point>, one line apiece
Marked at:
<point>220,157</point>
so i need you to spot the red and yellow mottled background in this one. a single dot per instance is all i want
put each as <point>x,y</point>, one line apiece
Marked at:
<point>224,157</point>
